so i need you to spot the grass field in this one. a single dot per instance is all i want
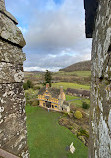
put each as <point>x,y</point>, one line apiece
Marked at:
<point>70,85</point>
<point>47,139</point>
<point>77,103</point>
<point>75,73</point>
<point>83,73</point>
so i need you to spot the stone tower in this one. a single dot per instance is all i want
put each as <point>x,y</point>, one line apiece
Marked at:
<point>100,113</point>
<point>12,101</point>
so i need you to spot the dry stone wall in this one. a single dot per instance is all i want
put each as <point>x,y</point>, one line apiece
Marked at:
<point>100,120</point>
<point>12,101</point>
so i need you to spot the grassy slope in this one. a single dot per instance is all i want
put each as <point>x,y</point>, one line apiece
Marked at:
<point>70,85</point>
<point>80,66</point>
<point>47,139</point>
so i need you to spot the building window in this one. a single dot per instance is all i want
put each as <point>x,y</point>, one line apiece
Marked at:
<point>47,97</point>
<point>52,106</point>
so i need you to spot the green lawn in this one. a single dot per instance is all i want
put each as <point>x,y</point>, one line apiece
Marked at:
<point>83,73</point>
<point>47,139</point>
<point>78,102</point>
<point>70,85</point>
<point>74,73</point>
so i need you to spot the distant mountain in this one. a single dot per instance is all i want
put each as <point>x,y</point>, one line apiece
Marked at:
<point>80,66</point>
<point>38,72</point>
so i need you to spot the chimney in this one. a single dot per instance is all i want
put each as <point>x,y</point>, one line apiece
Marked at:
<point>47,85</point>
<point>61,89</point>
<point>2,5</point>
<point>61,96</point>
<point>61,92</point>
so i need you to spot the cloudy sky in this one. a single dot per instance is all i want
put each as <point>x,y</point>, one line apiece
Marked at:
<point>54,32</point>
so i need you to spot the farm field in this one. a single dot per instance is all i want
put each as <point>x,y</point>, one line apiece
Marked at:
<point>70,85</point>
<point>75,73</point>
<point>80,77</point>
<point>47,139</point>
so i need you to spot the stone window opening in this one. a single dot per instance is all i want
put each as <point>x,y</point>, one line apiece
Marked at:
<point>109,49</point>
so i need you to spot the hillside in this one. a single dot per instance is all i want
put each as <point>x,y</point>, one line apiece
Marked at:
<point>77,73</point>
<point>80,77</point>
<point>80,66</point>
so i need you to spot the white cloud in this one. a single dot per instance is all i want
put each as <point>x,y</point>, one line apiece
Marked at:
<point>53,63</point>
<point>23,30</point>
<point>53,69</point>
<point>54,33</point>
<point>56,29</point>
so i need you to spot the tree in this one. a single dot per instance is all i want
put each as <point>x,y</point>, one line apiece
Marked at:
<point>28,85</point>
<point>48,77</point>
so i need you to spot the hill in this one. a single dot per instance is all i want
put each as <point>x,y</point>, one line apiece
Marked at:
<point>80,66</point>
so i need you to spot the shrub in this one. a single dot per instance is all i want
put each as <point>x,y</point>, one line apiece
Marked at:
<point>65,114</point>
<point>70,127</point>
<point>78,115</point>
<point>31,95</point>
<point>27,104</point>
<point>83,132</point>
<point>82,139</point>
<point>35,102</point>
<point>85,105</point>
<point>36,87</point>
<point>25,86</point>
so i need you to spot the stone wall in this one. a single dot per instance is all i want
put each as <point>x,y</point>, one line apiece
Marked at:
<point>12,101</point>
<point>100,119</point>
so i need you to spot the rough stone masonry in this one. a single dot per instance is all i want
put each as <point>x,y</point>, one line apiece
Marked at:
<point>12,101</point>
<point>100,118</point>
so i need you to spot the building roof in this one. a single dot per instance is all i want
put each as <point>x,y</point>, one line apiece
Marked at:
<point>41,91</point>
<point>65,103</point>
<point>53,91</point>
<point>90,7</point>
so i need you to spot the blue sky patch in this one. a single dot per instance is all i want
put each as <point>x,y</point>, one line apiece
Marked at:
<point>58,1</point>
